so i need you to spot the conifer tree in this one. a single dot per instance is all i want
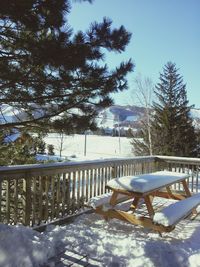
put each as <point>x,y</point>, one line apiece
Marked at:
<point>171,125</point>
<point>46,69</point>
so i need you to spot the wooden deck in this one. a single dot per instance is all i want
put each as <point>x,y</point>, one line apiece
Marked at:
<point>69,257</point>
<point>69,254</point>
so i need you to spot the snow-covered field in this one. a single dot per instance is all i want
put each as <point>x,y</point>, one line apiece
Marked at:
<point>113,243</point>
<point>95,147</point>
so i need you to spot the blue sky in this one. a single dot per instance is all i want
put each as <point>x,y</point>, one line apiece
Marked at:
<point>162,31</point>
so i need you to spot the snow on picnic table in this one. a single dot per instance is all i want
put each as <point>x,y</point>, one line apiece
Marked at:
<point>146,182</point>
<point>114,243</point>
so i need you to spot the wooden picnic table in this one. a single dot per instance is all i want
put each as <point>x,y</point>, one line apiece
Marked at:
<point>145,187</point>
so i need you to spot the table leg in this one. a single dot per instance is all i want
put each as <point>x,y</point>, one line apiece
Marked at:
<point>134,203</point>
<point>148,203</point>
<point>113,199</point>
<point>185,186</point>
<point>169,192</point>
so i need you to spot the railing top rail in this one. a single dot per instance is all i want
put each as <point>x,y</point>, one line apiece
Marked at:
<point>72,165</point>
<point>183,160</point>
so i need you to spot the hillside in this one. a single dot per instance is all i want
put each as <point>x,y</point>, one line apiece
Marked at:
<point>131,117</point>
<point>123,116</point>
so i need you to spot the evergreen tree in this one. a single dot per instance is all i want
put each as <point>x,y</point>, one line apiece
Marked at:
<point>23,149</point>
<point>19,151</point>
<point>171,125</point>
<point>46,69</point>
<point>140,140</point>
<point>50,149</point>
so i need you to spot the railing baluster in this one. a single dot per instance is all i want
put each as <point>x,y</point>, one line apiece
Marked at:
<point>40,204</point>
<point>57,195</point>
<point>8,201</point>
<point>52,197</point>
<point>197,180</point>
<point>26,201</point>
<point>95,182</point>
<point>0,201</point>
<point>73,191</point>
<point>102,180</point>
<point>106,177</point>
<point>46,195</point>
<point>87,185</point>
<point>83,184</point>
<point>15,201</point>
<point>99,181</point>
<point>68,190</point>
<point>192,178</point>
<point>91,182</point>
<point>63,189</point>
<point>78,184</point>
<point>34,206</point>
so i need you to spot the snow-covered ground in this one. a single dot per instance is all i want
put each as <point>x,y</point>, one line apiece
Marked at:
<point>95,146</point>
<point>113,243</point>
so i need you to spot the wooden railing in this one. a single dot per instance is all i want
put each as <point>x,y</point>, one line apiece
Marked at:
<point>38,194</point>
<point>184,165</point>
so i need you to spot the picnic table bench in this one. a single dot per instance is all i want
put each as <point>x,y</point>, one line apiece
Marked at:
<point>144,188</point>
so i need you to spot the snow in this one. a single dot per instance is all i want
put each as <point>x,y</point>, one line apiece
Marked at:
<point>102,199</point>
<point>145,182</point>
<point>97,147</point>
<point>11,138</point>
<point>106,119</point>
<point>132,118</point>
<point>116,243</point>
<point>112,243</point>
<point>22,246</point>
<point>45,157</point>
<point>195,113</point>
<point>174,212</point>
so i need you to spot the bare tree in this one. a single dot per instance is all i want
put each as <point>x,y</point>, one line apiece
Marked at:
<point>144,93</point>
<point>61,142</point>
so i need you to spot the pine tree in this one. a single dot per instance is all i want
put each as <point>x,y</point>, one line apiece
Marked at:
<point>46,69</point>
<point>140,141</point>
<point>171,125</point>
<point>50,149</point>
<point>19,151</point>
